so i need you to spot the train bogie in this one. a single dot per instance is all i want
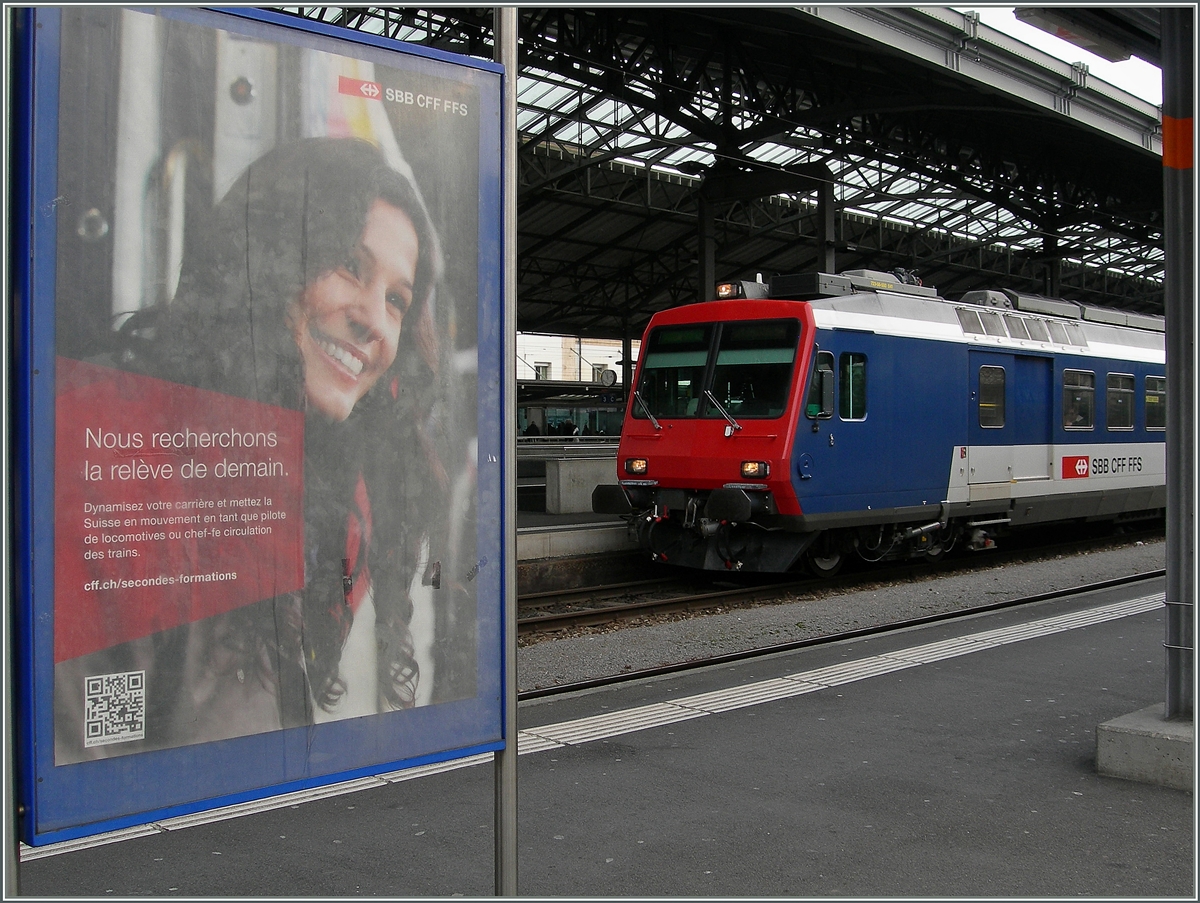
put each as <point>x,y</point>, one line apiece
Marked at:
<point>863,417</point>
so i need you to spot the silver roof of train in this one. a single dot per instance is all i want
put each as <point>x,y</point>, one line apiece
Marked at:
<point>902,310</point>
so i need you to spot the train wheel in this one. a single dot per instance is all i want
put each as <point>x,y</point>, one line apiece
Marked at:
<point>824,559</point>
<point>825,565</point>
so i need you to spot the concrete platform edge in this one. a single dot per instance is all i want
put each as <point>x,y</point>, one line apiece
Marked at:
<point>584,540</point>
<point>1144,746</point>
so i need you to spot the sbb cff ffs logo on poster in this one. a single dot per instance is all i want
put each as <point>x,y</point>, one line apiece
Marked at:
<point>360,88</point>
<point>1076,466</point>
<point>368,90</point>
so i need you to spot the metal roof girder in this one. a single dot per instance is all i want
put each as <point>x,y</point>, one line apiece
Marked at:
<point>1002,64</point>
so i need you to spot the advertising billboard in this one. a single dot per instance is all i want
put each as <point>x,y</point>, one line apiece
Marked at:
<point>263,439</point>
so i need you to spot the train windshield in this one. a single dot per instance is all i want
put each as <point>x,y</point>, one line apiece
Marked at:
<point>674,362</point>
<point>747,366</point>
<point>753,370</point>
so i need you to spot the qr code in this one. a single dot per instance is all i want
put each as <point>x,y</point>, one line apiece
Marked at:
<point>114,708</point>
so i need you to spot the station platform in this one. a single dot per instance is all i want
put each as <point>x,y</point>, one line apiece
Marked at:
<point>952,759</point>
<point>541,535</point>
<point>555,479</point>
<point>558,475</point>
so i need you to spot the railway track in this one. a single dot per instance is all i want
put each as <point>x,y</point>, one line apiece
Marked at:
<point>541,614</point>
<point>772,649</point>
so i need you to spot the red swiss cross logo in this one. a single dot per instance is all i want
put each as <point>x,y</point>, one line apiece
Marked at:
<point>359,88</point>
<point>1075,466</point>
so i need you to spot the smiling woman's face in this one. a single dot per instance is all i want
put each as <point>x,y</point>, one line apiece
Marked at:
<point>347,322</point>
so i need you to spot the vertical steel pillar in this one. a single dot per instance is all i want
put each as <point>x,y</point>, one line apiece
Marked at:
<point>826,223</point>
<point>1178,26</point>
<point>626,358</point>
<point>707,252</point>
<point>1053,276</point>
<point>505,862</point>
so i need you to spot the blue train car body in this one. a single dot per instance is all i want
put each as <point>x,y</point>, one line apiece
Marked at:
<point>857,414</point>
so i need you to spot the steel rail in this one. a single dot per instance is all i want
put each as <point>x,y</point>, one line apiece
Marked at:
<point>607,613</point>
<point>532,600</point>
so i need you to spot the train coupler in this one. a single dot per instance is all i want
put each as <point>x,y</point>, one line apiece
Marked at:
<point>921,532</point>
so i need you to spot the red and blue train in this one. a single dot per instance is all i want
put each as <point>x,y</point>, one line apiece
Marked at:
<point>822,417</point>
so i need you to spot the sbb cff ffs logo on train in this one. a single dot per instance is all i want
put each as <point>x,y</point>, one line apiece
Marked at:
<point>1075,467</point>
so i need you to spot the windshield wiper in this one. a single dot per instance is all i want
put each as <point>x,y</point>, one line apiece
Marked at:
<point>645,407</point>
<point>720,407</point>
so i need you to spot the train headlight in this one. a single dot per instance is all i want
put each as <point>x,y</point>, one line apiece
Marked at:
<point>755,470</point>
<point>636,466</point>
<point>727,290</point>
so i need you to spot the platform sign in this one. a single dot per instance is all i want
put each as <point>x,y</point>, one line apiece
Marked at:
<point>261,459</point>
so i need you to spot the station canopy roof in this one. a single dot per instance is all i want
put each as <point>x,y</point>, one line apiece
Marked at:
<point>953,151</point>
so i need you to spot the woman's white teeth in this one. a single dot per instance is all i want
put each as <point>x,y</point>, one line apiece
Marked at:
<point>342,356</point>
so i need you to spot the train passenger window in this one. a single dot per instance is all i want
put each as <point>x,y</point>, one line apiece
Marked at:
<point>820,388</point>
<point>753,370</point>
<point>991,397</point>
<point>992,324</point>
<point>969,320</point>
<point>1037,330</point>
<point>852,386</point>
<point>1057,333</point>
<point>1079,399</point>
<point>1016,327</point>
<point>1156,402</point>
<point>674,361</point>
<point>1121,387</point>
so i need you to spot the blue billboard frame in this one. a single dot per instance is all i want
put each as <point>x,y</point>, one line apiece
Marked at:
<point>67,801</point>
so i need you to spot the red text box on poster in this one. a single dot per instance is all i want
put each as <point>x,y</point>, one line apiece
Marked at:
<point>172,504</point>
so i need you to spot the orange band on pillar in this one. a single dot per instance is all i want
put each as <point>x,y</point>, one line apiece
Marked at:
<point>1177,142</point>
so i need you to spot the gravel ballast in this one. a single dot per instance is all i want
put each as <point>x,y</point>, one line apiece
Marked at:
<point>593,653</point>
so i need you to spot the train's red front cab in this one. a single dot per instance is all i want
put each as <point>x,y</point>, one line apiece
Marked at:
<point>708,434</point>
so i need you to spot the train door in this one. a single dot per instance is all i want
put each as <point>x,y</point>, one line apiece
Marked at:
<point>850,423</point>
<point>1034,403</point>
<point>1009,421</point>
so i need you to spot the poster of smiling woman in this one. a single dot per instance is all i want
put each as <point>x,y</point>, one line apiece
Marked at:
<point>264,372</point>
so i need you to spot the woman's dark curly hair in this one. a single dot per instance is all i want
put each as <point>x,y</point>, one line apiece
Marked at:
<point>294,215</point>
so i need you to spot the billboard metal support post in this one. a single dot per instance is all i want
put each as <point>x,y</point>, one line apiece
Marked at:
<point>505,31</point>
<point>17,99</point>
